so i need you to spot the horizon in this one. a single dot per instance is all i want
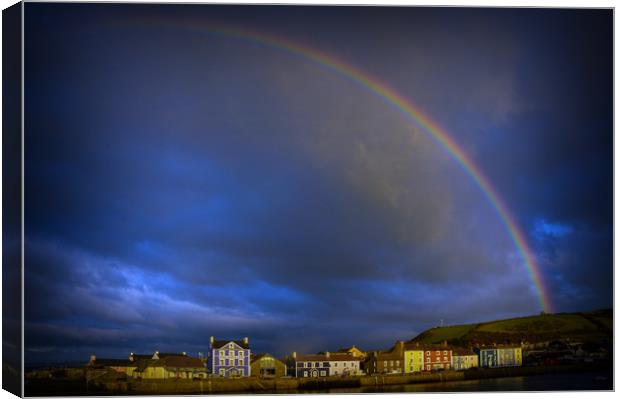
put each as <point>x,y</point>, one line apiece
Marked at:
<point>74,362</point>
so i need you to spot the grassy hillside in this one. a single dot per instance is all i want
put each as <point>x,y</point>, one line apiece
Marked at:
<point>590,326</point>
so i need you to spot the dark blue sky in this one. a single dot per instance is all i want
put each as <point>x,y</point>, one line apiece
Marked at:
<point>181,184</point>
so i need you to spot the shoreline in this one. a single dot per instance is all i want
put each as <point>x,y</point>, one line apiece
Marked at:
<point>285,385</point>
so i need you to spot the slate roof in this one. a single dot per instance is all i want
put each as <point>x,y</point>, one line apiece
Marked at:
<point>217,344</point>
<point>499,346</point>
<point>335,357</point>
<point>462,352</point>
<point>137,356</point>
<point>110,363</point>
<point>181,362</point>
<point>170,361</point>
<point>162,355</point>
<point>426,347</point>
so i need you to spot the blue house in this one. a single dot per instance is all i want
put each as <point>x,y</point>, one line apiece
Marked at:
<point>500,356</point>
<point>229,358</point>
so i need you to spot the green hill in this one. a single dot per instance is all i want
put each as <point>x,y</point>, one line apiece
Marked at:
<point>588,327</point>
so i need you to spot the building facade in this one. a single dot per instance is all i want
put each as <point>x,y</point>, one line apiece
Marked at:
<point>266,366</point>
<point>437,358</point>
<point>414,360</point>
<point>229,358</point>
<point>391,361</point>
<point>463,359</point>
<point>324,365</point>
<point>311,366</point>
<point>168,366</point>
<point>500,356</point>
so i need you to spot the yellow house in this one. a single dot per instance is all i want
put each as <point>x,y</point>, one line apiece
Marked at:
<point>414,360</point>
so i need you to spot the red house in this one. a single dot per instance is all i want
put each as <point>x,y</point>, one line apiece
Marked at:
<point>437,357</point>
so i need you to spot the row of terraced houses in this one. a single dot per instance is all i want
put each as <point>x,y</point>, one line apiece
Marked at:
<point>233,358</point>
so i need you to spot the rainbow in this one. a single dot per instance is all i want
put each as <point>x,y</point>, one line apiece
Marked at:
<point>413,113</point>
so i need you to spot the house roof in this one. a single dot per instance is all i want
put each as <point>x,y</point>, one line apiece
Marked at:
<point>462,352</point>
<point>110,362</point>
<point>220,343</point>
<point>162,355</point>
<point>334,357</point>
<point>259,356</point>
<point>138,356</point>
<point>182,361</point>
<point>426,347</point>
<point>350,348</point>
<point>499,346</point>
<point>170,361</point>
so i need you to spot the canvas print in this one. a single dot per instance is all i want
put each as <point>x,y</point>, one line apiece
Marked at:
<point>234,199</point>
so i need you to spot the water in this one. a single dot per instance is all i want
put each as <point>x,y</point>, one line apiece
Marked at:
<point>597,380</point>
<point>591,380</point>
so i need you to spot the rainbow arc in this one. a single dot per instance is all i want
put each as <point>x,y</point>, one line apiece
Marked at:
<point>413,113</point>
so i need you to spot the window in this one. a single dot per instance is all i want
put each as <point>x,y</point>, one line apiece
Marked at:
<point>391,363</point>
<point>385,363</point>
<point>316,364</point>
<point>221,362</point>
<point>325,364</point>
<point>309,364</point>
<point>445,352</point>
<point>322,373</point>
<point>437,359</point>
<point>305,373</point>
<point>397,363</point>
<point>240,362</point>
<point>428,353</point>
<point>231,346</point>
<point>428,360</point>
<point>428,367</point>
<point>445,358</point>
<point>221,353</point>
<point>438,352</point>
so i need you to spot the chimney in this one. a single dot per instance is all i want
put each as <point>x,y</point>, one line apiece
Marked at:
<point>211,340</point>
<point>131,357</point>
<point>327,355</point>
<point>245,340</point>
<point>294,355</point>
<point>93,358</point>
<point>445,343</point>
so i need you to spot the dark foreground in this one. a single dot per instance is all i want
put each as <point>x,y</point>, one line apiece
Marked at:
<point>583,381</point>
<point>553,378</point>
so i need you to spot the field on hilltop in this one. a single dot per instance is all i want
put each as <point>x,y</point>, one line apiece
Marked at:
<point>588,327</point>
